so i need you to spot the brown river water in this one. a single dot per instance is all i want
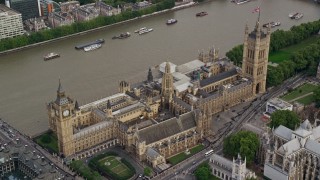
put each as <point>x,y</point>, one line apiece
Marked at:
<point>27,82</point>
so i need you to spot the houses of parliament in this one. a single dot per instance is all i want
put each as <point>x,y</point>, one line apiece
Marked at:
<point>165,114</point>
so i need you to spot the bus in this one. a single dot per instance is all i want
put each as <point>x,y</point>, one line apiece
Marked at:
<point>209,152</point>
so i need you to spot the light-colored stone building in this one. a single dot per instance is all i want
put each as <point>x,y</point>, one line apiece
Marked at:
<point>10,23</point>
<point>230,170</point>
<point>292,155</point>
<point>166,114</point>
<point>275,104</point>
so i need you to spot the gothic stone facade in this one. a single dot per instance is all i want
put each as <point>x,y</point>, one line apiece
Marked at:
<point>225,169</point>
<point>163,115</point>
<point>293,155</point>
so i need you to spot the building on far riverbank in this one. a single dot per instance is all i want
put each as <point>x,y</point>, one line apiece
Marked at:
<point>10,23</point>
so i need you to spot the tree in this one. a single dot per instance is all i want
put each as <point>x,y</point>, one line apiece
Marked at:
<point>286,118</point>
<point>203,172</point>
<point>147,171</point>
<point>245,143</point>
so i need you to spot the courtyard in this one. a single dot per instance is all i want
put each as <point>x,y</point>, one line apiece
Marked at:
<point>115,165</point>
<point>112,165</point>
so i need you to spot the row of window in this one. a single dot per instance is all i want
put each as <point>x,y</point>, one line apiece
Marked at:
<point>221,175</point>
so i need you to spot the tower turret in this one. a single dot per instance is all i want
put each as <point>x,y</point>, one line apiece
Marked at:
<point>124,87</point>
<point>61,113</point>
<point>150,76</point>
<point>255,57</point>
<point>167,86</point>
<point>109,109</point>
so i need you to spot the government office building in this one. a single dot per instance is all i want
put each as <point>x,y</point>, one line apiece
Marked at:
<point>10,23</point>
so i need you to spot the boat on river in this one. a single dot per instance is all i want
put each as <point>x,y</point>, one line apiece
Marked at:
<point>295,15</point>
<point>141,29</point>
<point>50,56</point>
<point>171,21</point>
<point>272,24</point>
<point>240,1</point>
<point>144,31</point>
<point>98,41</point>
<point>92,47</point>
<point>200,14</point>
<point>298,16</point>
<point>122,36</point>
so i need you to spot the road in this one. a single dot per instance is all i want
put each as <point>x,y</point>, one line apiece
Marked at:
<point>185,168</point>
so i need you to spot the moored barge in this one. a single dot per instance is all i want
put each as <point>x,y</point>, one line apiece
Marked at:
<point>98,41</point>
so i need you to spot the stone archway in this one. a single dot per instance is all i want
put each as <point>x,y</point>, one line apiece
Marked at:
<point>258,88</point>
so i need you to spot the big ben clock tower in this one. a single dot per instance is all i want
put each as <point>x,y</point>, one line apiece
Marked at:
<point>61,113</point>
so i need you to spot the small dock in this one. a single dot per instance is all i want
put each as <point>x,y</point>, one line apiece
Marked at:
<point>98,41</point>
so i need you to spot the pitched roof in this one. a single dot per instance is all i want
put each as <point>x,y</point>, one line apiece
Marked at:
<point>283,132</point>
<point>152,153</point>
<point>302,132</point>
<point>313,146</point>
<point>290,147</point>
<point>182,103</point>
<point>222,161</point>
<point>167,128</point>
<point>316,133</point>
<point>218,77</point>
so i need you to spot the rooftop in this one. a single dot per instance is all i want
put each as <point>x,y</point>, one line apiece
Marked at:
<point>218,77</point>
<point>4,11</point>
<point>279,103</point>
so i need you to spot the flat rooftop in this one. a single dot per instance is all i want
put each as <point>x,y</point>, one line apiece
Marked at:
<point>4,10</point>
<point>279,103</point>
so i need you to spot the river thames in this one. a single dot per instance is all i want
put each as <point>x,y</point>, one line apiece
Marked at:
<point>28,83</point>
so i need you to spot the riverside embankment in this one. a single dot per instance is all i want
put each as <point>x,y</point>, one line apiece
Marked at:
<point>180,6</point>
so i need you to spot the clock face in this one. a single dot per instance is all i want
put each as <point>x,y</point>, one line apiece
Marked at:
<point>66,113</point>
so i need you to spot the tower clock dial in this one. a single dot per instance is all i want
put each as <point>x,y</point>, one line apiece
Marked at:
<point>66,113</point>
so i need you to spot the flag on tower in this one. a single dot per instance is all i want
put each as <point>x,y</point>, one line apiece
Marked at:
<point>257,9</point>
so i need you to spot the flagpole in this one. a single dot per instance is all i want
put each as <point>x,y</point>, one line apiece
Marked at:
<point>259,15</point>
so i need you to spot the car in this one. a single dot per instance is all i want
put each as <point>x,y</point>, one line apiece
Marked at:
<point>140,175</point>
<point>193,162</point>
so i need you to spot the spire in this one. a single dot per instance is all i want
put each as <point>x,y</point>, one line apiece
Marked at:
<point>60,89</point>
<point>246,29</point>
<point>257,28</point>
<point>167,68</point>
<point>108,105</point>
<point>150,76</point>
<point>76,106</point>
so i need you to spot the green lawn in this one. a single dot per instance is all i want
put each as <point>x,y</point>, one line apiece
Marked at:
<point>285,53</point>
<point>182,156</point>
<point>51,144</point>
<point>300,91</point>
<point>306,100</point>
<point>115,166</point>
